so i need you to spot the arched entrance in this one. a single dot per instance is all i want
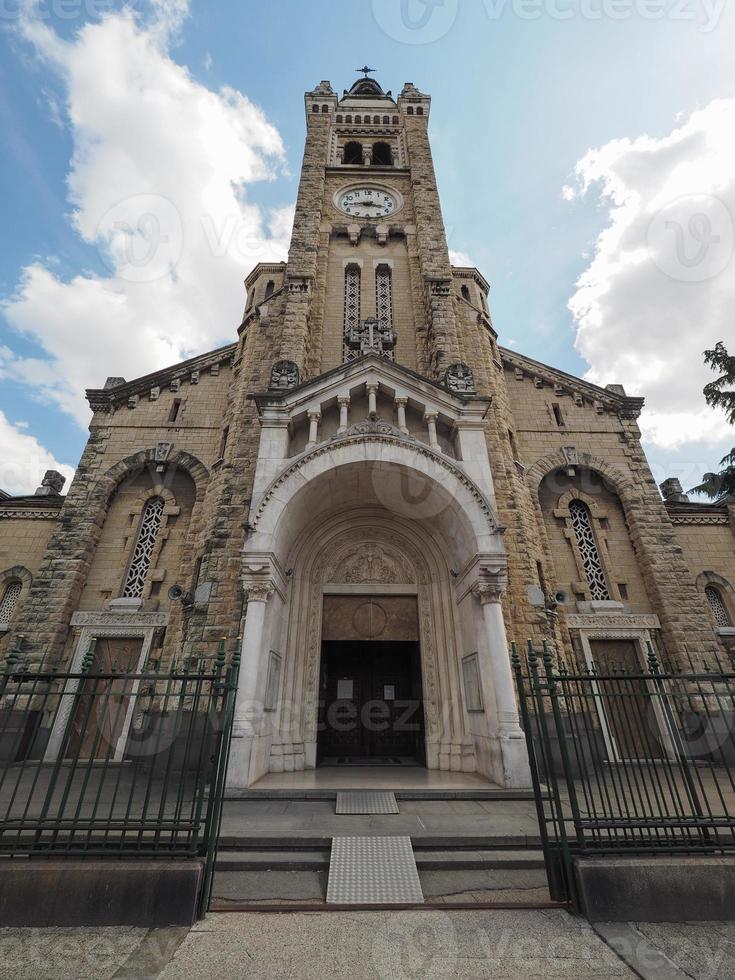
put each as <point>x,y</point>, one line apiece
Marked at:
<point>369,518</point>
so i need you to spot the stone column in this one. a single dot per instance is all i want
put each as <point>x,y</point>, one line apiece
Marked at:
<point>314,417</point>
<point>248,711</point>
<point>344,409</point>
<point>430,419</point>
<point>372,390</point>
<point>507,730</point>
<point>401,403</point>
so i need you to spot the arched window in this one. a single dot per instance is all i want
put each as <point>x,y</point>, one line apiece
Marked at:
<point>717,605</point>
<point>270,286</point>
<point>325,108</point>
<point>353,153</point>
<point>420,110</point>
<point>150,525</point>
<point>339,119</point>
<point>466,293</point>
<point>348,119</point>
<point>382,155</point>
<point>352,308</point>
<point>376,120</point>
<point>315,108</point>
<point>395,120</point>
<point>383,296</point>
<point>587,545</point>
<point>386,120</point>
<point>9,601</point>
<point>358,119</point>
<point>410,110</point>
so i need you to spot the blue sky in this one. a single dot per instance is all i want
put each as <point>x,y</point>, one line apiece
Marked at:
<point>567,148</point>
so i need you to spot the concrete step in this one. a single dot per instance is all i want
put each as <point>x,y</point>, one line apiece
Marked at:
<point>290,841</point>
<point>296,795</point>
<point>429,860</point>
<point>239,890</point>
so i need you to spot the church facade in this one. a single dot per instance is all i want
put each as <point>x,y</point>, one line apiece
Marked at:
<point>366,496</point>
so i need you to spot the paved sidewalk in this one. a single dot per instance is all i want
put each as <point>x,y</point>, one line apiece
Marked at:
<point>431,945</point>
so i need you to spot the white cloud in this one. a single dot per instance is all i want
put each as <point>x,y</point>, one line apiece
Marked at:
<point>158,183</point>
<point>459,258</point>
<point>661,286</point>
<point>24,460</point>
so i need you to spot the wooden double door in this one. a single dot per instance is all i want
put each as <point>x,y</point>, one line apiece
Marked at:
<point>371,705</point>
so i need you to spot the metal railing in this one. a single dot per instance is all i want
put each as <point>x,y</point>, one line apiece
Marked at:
<point>107,762</point>
<point>634,759</point>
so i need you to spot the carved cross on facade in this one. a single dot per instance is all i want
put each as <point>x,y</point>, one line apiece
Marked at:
<point>373,336</point>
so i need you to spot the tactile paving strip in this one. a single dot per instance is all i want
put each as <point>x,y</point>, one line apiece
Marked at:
<point>373,871</point>
<point>366,802</point>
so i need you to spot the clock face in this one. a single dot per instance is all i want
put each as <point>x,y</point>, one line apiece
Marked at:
<point>367,202</point>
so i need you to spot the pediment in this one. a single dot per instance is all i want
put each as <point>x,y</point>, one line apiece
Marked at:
<point>392,378</point>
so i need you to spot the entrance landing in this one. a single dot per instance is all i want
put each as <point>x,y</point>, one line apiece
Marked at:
<point>369,777</point>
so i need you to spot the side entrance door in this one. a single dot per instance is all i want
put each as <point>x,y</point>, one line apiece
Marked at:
<point>102,708</point>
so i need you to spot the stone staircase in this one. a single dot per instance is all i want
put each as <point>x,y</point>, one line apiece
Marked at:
<point>480,850</point>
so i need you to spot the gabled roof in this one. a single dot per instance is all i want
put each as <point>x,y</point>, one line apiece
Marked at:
<point>625,405</point>
<point>103,399</point>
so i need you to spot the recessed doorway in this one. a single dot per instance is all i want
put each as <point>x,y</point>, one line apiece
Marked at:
<point>371,705</point>
<point>370,691</point>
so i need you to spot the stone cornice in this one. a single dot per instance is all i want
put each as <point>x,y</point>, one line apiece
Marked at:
<point>623,405</point>
<point>470,272</point>
<point>105,619</point>
<point>26,514</point>
<point>607,621</point>
<point>695,513</point>
<point>700,519</point>
<point>264,268</point>
<point>106,399</point>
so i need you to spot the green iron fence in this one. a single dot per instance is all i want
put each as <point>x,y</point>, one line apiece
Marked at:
<point>628,759</point>
<point>106,762</point>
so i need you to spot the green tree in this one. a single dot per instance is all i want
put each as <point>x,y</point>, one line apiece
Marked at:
<point>720,394</point>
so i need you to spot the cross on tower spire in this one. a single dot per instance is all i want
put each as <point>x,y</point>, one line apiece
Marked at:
<point>366,71</point>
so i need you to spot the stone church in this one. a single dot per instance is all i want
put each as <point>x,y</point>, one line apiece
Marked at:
<point>365,495</point>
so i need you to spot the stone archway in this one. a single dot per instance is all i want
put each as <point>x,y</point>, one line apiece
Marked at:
<point>431,522</point>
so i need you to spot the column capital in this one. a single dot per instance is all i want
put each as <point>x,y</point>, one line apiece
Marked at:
<point>372,386</point>
<point>401,400</point>
<point>259,590</point>
<point>431,415</point>
<point>491,586</point>
<point>314,414</point>
<point>343,399</point>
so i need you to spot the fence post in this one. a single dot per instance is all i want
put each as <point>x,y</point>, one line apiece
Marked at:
<point>219,774</point>
<point>556,887</point>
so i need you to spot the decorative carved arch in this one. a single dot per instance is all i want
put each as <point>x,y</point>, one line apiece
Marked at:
<point>459,483</point>
<point>146,459</point>
<point>622,482</point>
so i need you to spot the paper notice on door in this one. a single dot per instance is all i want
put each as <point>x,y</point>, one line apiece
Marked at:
<point>345,688</point>
<point>389,692</point>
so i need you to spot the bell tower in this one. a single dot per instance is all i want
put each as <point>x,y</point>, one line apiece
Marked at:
<point>368,268</point>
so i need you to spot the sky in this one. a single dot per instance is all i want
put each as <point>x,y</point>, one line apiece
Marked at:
<point>150,153</point>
